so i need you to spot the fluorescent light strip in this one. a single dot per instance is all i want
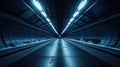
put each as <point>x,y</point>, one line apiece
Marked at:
<point>44,14</point>
<point>71,20</point>
<point>48,20</point>
<point>38,6</point>
<point>80,6</point>
<point>76,14</point>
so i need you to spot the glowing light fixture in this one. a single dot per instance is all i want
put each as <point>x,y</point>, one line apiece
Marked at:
<point>39,7</point>
<point>44,14</point>
<point>76,14</point>
<point>71,20</point>
<point>48,20</point>
<point>80,6</point>
<point>37,4</point>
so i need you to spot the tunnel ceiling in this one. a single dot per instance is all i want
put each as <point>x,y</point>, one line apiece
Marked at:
<point>60,8</point>
<point>56,10</point>
<point>101,10</point>
<point>59,12</point>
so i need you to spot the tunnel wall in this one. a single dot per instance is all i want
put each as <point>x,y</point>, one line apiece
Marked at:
<point>104,29</point>
<point>105,33</point>
<point>14,34</point>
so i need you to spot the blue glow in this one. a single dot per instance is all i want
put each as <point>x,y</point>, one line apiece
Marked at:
<point>53,51</point>
<point>38,6</point>
<point>76,14</point>
<point>71,20</point>
<point>80,6</point>
<point>68,54</point>
<point>54,29</point>
<point>48,20</point>
<point>65,28</point>
<point>44,14</point>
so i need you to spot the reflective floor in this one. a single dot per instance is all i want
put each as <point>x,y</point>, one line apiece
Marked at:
<point>59,33</point>
<point>60,53</point>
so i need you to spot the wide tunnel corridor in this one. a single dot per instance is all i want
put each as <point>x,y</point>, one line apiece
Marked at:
<point>59,33</point>
<point>60,53</point>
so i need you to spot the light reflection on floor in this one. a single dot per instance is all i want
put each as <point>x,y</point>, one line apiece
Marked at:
<point>68,58</point>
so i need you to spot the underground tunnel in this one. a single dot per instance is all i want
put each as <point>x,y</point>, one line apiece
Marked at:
<point>59,33</point>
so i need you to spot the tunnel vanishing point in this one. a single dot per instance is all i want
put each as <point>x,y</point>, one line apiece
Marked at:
<point>59,33</point>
